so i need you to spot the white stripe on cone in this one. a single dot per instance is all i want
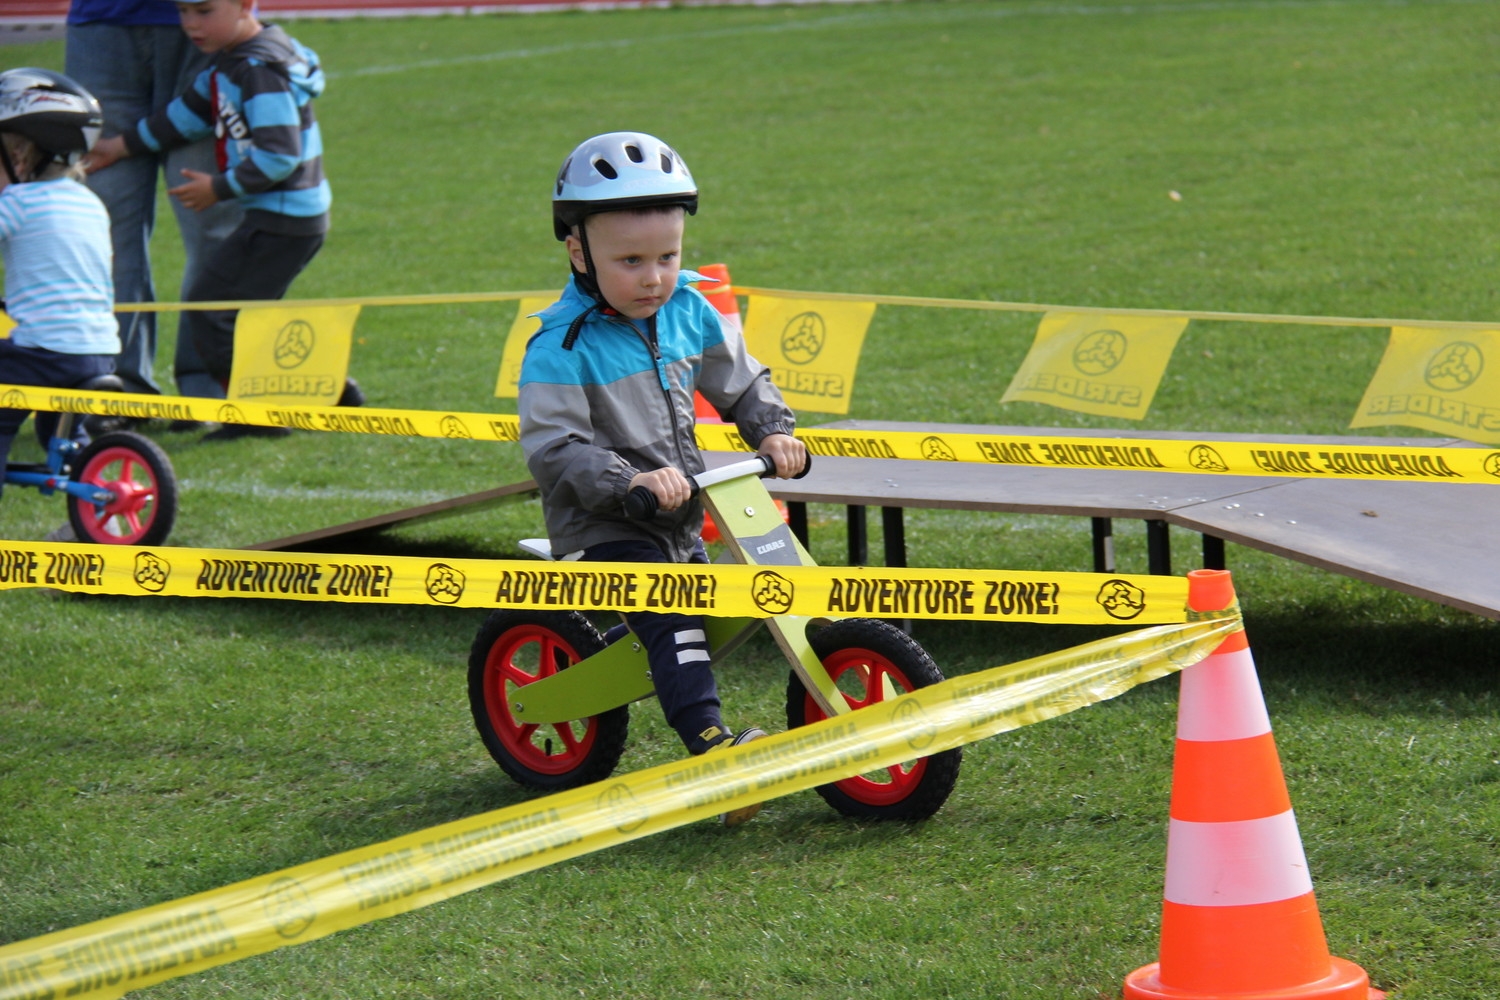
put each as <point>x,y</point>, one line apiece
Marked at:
<point>1236,863</point>
<point>1221,700</point>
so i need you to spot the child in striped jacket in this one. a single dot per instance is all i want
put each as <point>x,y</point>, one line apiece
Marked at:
<point>255,98</point>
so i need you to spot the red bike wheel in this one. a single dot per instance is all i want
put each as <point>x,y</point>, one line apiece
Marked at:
<point>140,478</point>
<point>872,661</point>
<point>517,648</point>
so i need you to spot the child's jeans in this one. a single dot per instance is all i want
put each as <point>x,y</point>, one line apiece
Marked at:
<point>250,264</point>
<point>41,367</point>
<point>676,648</point>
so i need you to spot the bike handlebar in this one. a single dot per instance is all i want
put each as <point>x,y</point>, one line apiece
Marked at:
<point>641,504</point>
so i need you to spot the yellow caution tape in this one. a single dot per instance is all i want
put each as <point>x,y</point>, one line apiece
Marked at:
<point>1214,457</point>
<point>339,419</point>
<point>722,590</point>
<point>983,305</point>
<point>110,957</point>
<point>1055,451</point>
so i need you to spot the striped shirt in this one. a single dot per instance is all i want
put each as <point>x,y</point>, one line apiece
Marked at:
<point>256,100</point>
<point>54,238</point>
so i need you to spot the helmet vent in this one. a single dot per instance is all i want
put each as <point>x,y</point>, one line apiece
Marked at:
<point>666,163</point>
<point>635,154</point>
<point>606,168</point>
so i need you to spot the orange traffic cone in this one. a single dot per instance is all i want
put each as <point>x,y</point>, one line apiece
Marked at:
<point>1239,921</point>
<point>723,298</point>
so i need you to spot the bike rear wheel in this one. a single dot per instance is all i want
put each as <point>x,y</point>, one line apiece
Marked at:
<point>516,648</point>
<point>139,475</point>
<point>872,661</point>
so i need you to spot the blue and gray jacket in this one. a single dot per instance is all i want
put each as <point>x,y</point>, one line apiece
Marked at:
<point>617,404</point>
<point>256,100</point>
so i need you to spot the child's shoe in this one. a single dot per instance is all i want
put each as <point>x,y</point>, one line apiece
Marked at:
<point>743,814</point>
<point>352,395</point>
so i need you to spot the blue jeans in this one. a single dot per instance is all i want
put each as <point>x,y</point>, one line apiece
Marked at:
<point>136,70</point>
<point>38,366</point>
<point>676,648</point>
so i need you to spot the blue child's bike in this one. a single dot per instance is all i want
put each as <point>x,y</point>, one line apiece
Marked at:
<point>120,487</point>
<point>551,700</point>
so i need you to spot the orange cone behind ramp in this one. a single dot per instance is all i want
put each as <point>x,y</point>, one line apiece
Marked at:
<point>722,297</point>
<point>1239,920</point>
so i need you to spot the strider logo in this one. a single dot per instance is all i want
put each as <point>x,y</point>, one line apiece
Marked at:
<point>772,592</point>
<point>935,449</point>
<point>1206,459</point>
<point>288,907</point>
<point>1457,366</point>
<point>618,801</point>
<point>803,337</point>
<point>1100,352</point>
<point>1492,464</point>
<point>151,572</point>
<point>911,717</point>
<point>444,583</point>
<point>231,414</point>
<point>14,399</point>
<point>294,343</point>
<point>454,428</point>
<point>1121,599</point>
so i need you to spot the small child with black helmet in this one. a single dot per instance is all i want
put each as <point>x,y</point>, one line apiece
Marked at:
<point>607,397</point>
<point>54,239</point>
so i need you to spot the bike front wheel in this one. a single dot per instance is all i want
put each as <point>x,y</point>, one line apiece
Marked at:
<point>139,475</point>
<point>872,661</point>
<point>517,648</point>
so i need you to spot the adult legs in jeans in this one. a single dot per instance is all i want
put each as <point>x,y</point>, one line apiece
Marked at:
<point>677,649</point>
<point>202,232</point>
<point>136,70</point>
<point>250,264</point>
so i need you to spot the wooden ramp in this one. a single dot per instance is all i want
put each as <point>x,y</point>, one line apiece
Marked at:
<point>1432,540</point>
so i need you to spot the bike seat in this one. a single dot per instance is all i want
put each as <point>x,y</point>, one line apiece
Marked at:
<point>542,549</point>
<point>102,383</point>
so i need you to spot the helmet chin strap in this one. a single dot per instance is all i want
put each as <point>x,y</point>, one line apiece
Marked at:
<point>588,283</point>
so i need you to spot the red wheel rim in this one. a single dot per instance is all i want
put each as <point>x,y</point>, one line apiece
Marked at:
<point>126,518</point>
<point>861,674</point>
<point>524,655</point>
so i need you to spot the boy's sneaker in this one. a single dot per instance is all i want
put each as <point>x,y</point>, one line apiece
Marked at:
<point>743,814</point>
<point>352,395</point>
<point>61,534</point>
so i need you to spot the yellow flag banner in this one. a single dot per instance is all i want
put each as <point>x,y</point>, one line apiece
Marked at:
<point>292,354</point>
<point>812,347</point>
<point>723,590</point>
<point>109,957</point>
<point>1438,380</point>
<point>1105,365</point>
<point>508,381</point>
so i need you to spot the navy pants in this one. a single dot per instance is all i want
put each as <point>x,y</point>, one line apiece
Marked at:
<point>41,367</point>
<point>250,264</point>
<point>676,648</point>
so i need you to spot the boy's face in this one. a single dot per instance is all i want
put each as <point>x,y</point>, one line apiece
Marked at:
<point>214,25</point>
<point>636,256</point>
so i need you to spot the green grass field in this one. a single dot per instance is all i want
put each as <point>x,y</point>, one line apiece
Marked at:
<point>1333,158</point>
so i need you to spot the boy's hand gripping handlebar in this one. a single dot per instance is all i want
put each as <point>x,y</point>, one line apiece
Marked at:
<point>641,503</point>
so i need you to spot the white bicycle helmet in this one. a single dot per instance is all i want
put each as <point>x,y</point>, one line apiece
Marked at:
<point>619,170</point>
<point>55,112</point>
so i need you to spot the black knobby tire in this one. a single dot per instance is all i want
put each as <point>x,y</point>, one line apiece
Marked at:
<point>516,648</point>
<point>136,470</point>
<point>859,654</point>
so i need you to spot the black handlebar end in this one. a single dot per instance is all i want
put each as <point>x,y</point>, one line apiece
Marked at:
<point>640,504</point>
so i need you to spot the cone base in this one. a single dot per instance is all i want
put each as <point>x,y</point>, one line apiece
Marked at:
<point>1345,981</point>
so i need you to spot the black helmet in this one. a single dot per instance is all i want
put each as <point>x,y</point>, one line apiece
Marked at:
<point>55,112</point>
